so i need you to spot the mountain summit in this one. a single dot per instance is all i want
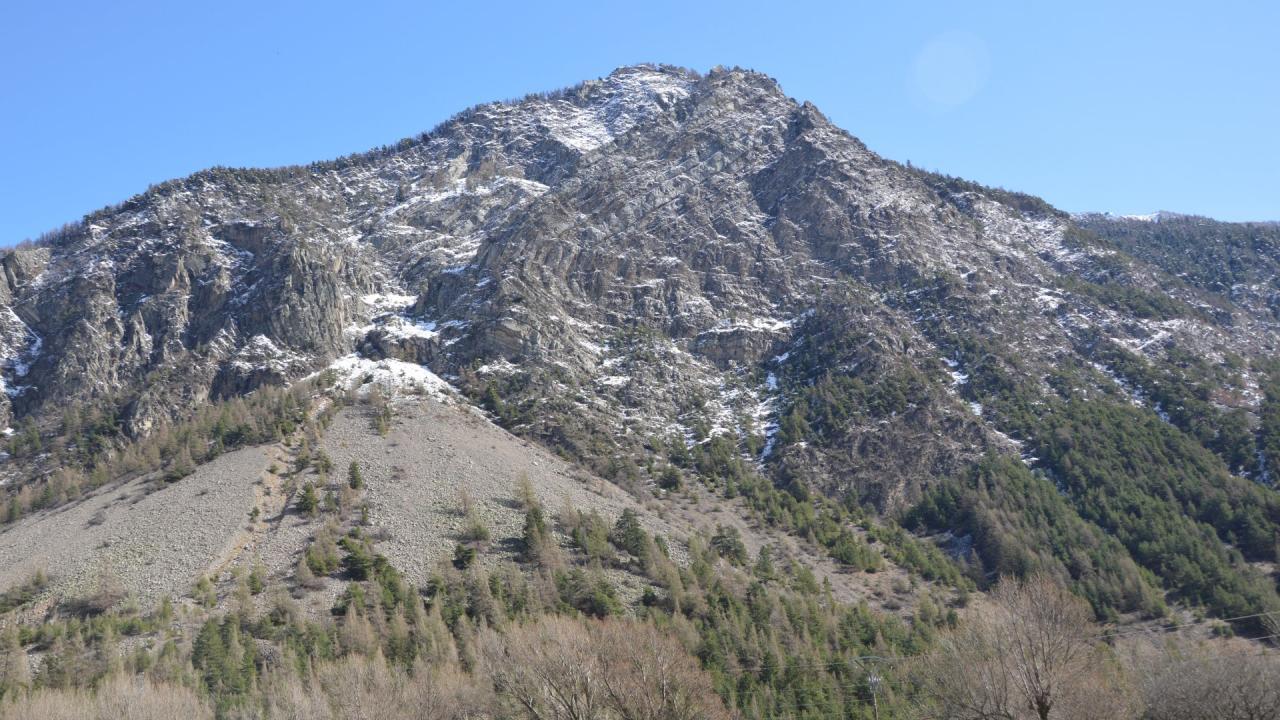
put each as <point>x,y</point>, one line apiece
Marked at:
<point>669,278</point>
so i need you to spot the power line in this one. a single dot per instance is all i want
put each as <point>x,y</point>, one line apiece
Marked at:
<point>1181,626</point>
<point>1106,635</point>
<point>849,662</point>
<point>854,693</point>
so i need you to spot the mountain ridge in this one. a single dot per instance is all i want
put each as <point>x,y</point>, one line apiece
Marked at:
<point>665,272</point>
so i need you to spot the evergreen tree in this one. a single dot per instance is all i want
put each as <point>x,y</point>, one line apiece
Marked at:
<point>308,500</point>
<point>630,536</point>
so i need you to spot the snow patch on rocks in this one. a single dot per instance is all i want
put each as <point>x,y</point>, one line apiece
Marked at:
<point>393,377</point>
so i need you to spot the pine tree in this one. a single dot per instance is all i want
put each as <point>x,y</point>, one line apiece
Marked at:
<point>628,535</point>
<point>727,542</point>
<point>537,539</point>
<point>205,593</point>
<point>15,673</point>
<point>764,569</point>
<point>308,501</point>
<point>303,575</point>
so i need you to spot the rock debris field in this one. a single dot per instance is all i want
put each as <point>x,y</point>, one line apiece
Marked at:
<point>148,544</point>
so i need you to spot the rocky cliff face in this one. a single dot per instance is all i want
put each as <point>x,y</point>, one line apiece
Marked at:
<point>654,258</point>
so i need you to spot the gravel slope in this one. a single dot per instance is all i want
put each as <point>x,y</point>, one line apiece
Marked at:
<point>434,453</point>
<point>147,544</point>
<point>159,543</point>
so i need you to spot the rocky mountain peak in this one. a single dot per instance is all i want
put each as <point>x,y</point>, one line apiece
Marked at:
<point>661,267</point>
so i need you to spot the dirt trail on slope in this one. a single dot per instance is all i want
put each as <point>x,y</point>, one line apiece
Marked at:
<point>270,501</point>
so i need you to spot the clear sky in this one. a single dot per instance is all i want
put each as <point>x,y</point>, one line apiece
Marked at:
<point>1126,107</point>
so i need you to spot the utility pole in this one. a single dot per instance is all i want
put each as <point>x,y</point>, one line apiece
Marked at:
<point>873,682</point>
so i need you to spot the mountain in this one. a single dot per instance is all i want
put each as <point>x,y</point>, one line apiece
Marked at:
<point>669,280</point>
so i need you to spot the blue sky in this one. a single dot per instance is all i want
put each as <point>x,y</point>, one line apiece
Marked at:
<point>1120,106</point>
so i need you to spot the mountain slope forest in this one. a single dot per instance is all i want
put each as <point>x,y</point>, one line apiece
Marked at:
<point>659,396</point>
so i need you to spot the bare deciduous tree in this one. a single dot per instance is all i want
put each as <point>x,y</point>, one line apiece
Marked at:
<point>1211,681</point>
<point>1032,654</point>
<point>649,675</point>
<point>548,669</point>
<point>367,688</point>
<point>561,669</point>
<point>15,672</point>
<point>116,697</point>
